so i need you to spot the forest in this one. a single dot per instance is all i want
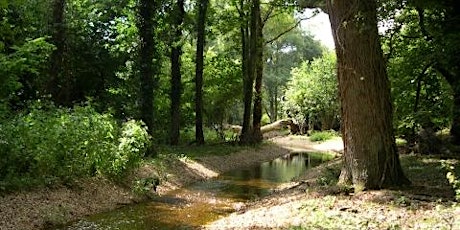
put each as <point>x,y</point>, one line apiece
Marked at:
<point>100,89</point>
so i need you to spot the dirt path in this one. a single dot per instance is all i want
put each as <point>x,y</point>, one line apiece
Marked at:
<point>40,208</point>
<point>303,143</point>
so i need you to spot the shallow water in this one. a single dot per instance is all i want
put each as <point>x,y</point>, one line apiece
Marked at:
<point>203,202</point>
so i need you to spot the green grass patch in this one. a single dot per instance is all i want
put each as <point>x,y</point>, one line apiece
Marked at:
<point>317,136</point>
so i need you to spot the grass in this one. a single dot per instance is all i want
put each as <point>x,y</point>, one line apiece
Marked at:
<point>322,135</point>
<point>194,151</point>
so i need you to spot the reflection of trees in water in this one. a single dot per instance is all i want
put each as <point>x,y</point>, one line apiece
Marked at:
<point>285,168</point>
<point>255,182</point>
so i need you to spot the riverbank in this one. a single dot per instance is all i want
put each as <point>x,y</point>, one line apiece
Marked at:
<point>314,202</point>
<point>45,207</point>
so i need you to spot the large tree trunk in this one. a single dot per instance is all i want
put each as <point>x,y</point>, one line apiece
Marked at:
<point>248,75</point>
<point>58,87</point>
<point>370,157</point>
<point>247,81</point>
<point>176,84</point>
<point>147,52</point>
<point>455,126</point>
<point>202,8</point>
<point>452,77</point>
<point>258,59</point>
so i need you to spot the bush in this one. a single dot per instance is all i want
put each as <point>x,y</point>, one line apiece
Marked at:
<point>50,144</point>
<point>454,181</point>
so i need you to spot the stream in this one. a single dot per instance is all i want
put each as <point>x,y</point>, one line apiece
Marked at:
<point>203,202</point>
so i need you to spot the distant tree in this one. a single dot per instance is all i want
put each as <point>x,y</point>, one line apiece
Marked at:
<point>57,86</point>
<point>176,78</point>
<point>312,93</point>
<point>146,27</point>
<point>257,42</point>
<point>201,25</point>
<point>282,55</point>
<point>247,68</point>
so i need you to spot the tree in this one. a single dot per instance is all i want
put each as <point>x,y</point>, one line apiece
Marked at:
<point>57,86</point>
<point>431,30</point>
<point>370,157</point>
<point>312,93</point>
<point>201,24</point>
<point>147,51</point>
<point>253,73</point>
<point>247,70</point>
<point>176,84</point>
<point>283,54</point>
<point>257,42</point>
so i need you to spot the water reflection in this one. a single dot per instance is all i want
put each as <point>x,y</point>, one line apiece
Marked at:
<point>200,203</point>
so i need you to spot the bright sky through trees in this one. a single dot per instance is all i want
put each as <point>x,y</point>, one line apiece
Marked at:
<point>319,26</point>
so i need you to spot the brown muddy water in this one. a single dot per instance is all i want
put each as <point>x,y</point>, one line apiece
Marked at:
<point>203,202</point>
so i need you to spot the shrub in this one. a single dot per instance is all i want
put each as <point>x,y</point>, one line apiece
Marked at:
<point>453,179</point>
<point>52,144</point>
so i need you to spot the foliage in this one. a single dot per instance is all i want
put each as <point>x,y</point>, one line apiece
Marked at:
<point>144,186</point>
<point>50,144</point>
<point>223,82</point>
<point>21,68</point>
<point>312,92</point>
<point>283,54</point>
<point>451,176</point>
<point>416,47</point>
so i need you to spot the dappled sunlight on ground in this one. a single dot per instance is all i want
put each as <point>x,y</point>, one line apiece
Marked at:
<point>199,169</point>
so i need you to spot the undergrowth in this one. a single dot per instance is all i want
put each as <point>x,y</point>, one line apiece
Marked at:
<point>451,176</point>
<point>48,145</point>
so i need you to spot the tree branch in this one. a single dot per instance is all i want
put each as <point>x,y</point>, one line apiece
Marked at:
<point>421,21</point>
<point>396,30</point>
<point>270,11</point>
<point>288,30</point>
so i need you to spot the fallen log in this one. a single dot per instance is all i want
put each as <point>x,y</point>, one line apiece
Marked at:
<point>277,125</point>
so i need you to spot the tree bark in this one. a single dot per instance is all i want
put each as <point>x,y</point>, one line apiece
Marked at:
<point>248,75</point>
<point>56,86</point>
<point>146,55</point>
<point>452,77</point>
<point>370,157</point>
<point>202,8</point>
<point>258,59</point>
<point>176,83</point>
